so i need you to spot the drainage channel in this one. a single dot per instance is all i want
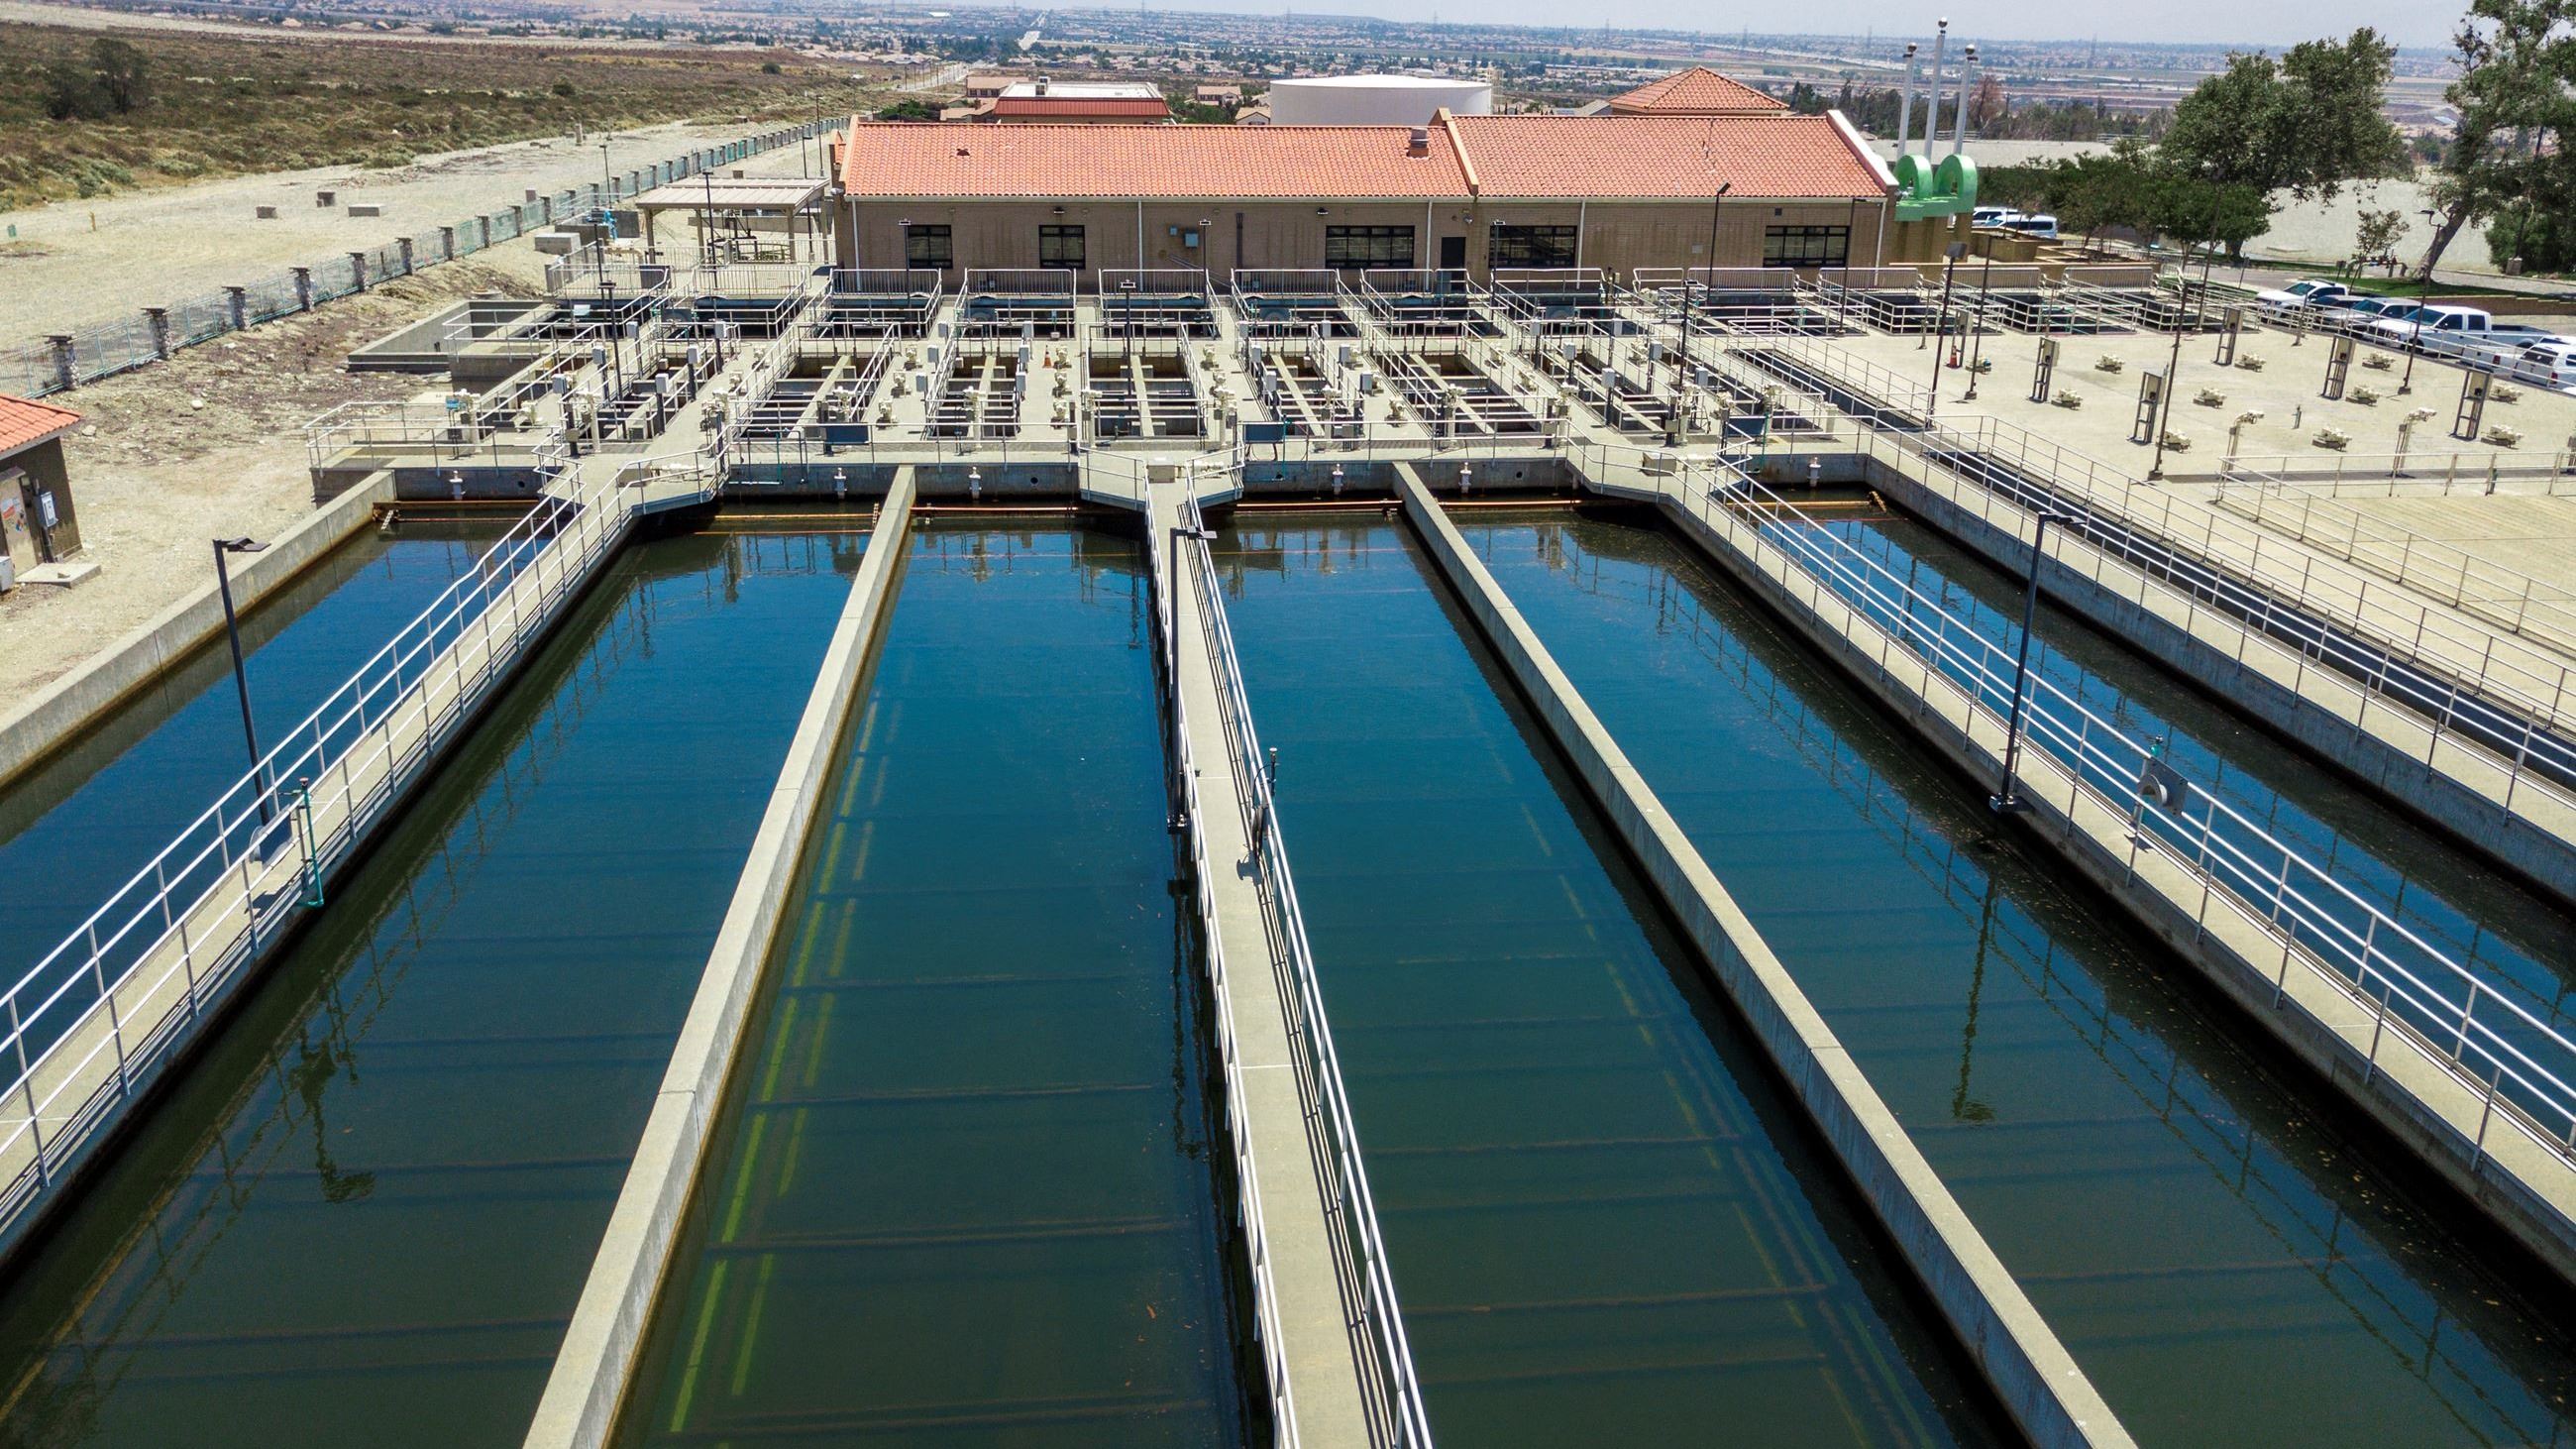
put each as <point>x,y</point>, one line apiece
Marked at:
<point>1608,1223</point>
<point>2508,937</point>
<point>78,825</point>
<point>371,1199</point>
<point>961,1190</point>
<point>2225,1261</point>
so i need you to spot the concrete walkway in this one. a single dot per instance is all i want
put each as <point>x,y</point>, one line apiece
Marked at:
<point>1326,1376</point>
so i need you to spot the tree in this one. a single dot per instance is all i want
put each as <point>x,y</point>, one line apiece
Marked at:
<point>124,74</point>
<point>909,110</point>
<point>2378,232</point>
<point>1986,104</point>
<point>72,93</point>
<point>2508,152</point>
<point>2204,214</point>
<point>2306,123</point>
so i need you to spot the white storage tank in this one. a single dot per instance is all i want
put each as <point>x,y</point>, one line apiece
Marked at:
<point>1375,100</point>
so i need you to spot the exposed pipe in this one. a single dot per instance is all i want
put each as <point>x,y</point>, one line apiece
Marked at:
<point>1932,126</point>
<point>1905,113</point>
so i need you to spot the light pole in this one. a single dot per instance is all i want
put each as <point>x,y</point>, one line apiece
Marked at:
<point>1941,328</point>
<point>1682,370</point>
<point>2164,405</point>
<point>2423,299</point>
<point>241,678</point>
<point>1977,326</point>
<point>2003,801</point>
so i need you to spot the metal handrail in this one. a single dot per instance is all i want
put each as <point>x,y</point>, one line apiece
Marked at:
<point>2397,626</point>
<point>215,890</point>
<point>1271,1339</point>
<point>1382,1316</point>
<point>2506,597</point>
<point>2402,979</point>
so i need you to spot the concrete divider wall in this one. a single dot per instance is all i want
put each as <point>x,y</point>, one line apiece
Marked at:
<point>2038,1381</point>
<point>72,704</point>
<point>2398,1082</point>
<point>2339,736</point>
<point>596,1361</point>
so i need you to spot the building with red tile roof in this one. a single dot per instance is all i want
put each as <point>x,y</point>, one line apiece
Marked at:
<point>1077,103</point>
<point>37,523</point>
<point>1697,91</point>
<point>1466,192</point>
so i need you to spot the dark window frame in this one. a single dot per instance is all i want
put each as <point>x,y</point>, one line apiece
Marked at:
<point>1370,247</point>
<point>1539,246</point>
<point>919,249</point>
<point>1806,246</point>
<point>1052,251</point>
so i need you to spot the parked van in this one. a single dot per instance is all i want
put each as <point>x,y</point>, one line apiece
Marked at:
<point>2042,227</point>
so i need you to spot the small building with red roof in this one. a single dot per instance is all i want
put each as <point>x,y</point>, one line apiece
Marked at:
<point>1697,91</point>
<point>37,523</point>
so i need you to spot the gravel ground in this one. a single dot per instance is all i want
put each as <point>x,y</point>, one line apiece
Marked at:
<point>75,263</point>
<point>211,444</point>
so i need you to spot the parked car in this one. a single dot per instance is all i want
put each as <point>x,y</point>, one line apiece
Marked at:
<point>2437,325</point>
<point>2545,362</point>
<point>1992,215</point>
<point>2504,340</point>
<point>2042,227</point>
<point>2312,292</point>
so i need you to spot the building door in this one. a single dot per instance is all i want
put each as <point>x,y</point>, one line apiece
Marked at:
<point>17,539</point>
<point>1453,254</point>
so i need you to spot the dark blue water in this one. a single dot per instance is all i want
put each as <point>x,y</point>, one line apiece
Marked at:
<point>961,1193</point>
<point>80,825</point>
<point>2229,1264</point>
<point>1605,1223</point>
<point>2453,914</point>
<point>364,1213</point>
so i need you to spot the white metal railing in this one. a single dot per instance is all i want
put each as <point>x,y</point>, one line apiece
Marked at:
<point>175,935</point>
<point>2438,470</point>
<point>1269,1339</point>
<point>1343,1163</point>
<point>2516,1065</point>
<point>2468,681</point>
<point>2505,597</point>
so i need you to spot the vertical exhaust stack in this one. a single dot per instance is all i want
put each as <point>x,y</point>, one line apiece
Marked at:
<point>1967,85</point>
<point>1905,112</point>
<point>1932,126</point>
<point>1419,144</point>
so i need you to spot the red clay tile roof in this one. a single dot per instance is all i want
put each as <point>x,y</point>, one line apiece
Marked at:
<point>1067,106</point>
<point>1598,157</point>
<point>899,159</point>
<point>24,422</point>
<point>1697,91</point>
<point>1651,157</point>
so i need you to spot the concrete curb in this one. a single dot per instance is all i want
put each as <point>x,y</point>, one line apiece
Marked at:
<point>2310,1011</point>
<point>2039,1382</point>
<point>72,704</point>
<point>597,1359</point>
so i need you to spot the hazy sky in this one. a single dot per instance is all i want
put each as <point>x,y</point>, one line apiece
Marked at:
<point>2207,21</point>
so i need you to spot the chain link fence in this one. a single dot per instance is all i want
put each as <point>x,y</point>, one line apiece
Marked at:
<point>104,349</point>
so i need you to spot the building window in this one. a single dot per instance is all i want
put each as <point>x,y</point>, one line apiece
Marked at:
<point>1530,246</point>
<point>1060,246</point>
<point>1806,246</point>
<point>929,246</point>
<point>1349,248</point>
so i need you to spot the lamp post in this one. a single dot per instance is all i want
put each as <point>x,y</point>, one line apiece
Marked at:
<point>1977,326</point>
<point>241,678</point>
<point>2423,299</point>
<point>2003,801</point>
<point>2164,405</point>
<point>1682,369</point>
<point>1941,328</point>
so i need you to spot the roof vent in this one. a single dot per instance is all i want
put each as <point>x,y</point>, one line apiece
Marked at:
<point>1420,144</point>
<point>961,150</point>
<point>1042,85</point>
